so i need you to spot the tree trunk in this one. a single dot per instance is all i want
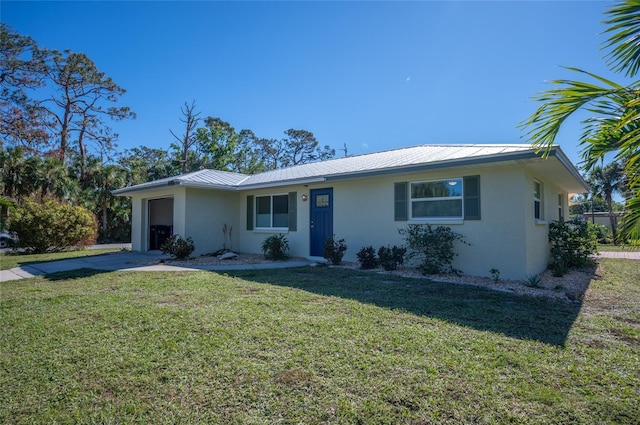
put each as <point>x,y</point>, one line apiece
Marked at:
<point>612,219</point>
<point>104,219</point>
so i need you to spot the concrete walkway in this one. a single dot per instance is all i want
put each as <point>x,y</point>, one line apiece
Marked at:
<point>127,261</point>
<point>629,255</point>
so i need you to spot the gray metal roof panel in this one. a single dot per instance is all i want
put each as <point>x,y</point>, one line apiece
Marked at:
<point>397,158</point>
<point>385,161</point>
<point>200,178</point>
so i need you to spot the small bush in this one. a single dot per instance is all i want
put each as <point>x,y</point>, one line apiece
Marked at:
<point>603,233</point>
<point>367,258</point>
<point>495,275</point>
<point>434,248</point>
<point>334,249</point>
<point>390,258</point>
<point>52,226</point>
<point>275,247</point>
<point>573,243</point>
<point>178,247</point>
<point>533,281</point>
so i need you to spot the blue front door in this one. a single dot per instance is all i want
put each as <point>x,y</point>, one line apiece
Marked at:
<point>321,219</point>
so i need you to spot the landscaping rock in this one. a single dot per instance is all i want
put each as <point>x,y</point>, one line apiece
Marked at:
<point>227,255</point>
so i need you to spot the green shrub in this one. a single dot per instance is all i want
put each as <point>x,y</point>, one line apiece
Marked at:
<point>275,247</point>
<point>434,248</point>
<point>390,258</point>
<point>334,249</point>
<point>603,233</point>
<point>367,258</point>
<point>533,281</point>
<point>52,226</point>
<point>495,274</point>
<point>178,247</point>
<point>573,243</point>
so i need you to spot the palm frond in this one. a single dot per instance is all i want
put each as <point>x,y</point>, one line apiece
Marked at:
<point>624,41</point>
<point>562,101</point>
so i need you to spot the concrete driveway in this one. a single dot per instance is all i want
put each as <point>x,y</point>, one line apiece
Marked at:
<point>126,261</point>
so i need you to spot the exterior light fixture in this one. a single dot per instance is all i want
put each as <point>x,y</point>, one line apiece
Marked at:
<point>304,197</point>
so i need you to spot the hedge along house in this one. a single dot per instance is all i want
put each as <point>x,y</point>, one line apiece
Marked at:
<point>501,198</point>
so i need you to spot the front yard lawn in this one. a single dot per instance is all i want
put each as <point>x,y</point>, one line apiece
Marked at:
<point>314,345</point>
<point>618,248</point>
<point>11,260</point>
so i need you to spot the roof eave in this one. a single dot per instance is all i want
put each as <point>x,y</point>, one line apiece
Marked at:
<point>203,185</point>
<point>142,187</point>
<point>290,182</point>
<point>564,160</point>
<point>485,159</point>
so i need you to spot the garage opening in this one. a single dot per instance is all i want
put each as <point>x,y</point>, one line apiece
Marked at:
<point>160,221</point>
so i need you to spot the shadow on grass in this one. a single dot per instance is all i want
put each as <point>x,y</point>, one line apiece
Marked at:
<point>528,318</point>
<point>74,274</point>
<point>27,262</point>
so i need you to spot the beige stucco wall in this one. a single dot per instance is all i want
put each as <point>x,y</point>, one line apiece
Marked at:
<point>507,237</point>
<point>250,241</point>
<point>206,213</point>
<point>537,231</point>
<point>140,214</point>
<point>493,242</point>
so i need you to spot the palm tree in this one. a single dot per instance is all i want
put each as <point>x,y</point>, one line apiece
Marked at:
<point>109,178</point>
<point>605,181</point>
<point>13,172</point>
<point>614,125</point>
<point>54,179</point>
<point>6,203</point>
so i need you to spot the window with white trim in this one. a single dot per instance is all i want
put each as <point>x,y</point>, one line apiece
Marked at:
<point>436,199</point>
<point>537,200</point>
<point>560,206</point>
<point>272,211</point>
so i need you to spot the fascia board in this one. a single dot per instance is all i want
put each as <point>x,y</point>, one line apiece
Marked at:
<point>143,187</point>
<point>282,183</point>
<point>488,159</point>
<point>202,185</point>
<point>557,152</point>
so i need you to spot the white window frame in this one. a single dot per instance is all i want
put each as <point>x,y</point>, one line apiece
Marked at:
<point>435,199</point>
<point>271,226</point>
<point>561,198</point>
<point>538,200</point>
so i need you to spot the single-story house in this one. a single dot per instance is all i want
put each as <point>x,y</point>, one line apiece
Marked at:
<point>501,198</point>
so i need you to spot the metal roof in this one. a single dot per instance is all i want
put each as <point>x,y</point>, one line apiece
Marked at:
<point>383,161</point>
<point>201,178</point>
<point>396,160</point>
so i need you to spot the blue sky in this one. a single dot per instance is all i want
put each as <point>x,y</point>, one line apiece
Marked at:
<point>373,75</point>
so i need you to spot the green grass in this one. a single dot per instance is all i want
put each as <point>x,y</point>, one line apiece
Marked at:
<point>9,261</point>
<point>314,345</point>
<point>617,248</point>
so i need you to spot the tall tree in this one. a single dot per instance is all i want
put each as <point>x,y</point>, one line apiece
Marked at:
<point>190,118</point>
<point>21,70</point>
<point>248,157</point>
<point>18,179</point>
<point>107,179</point>
<point>614,124</point>
<point>605,182</point>
<point>54,180</point>
<point>217,145</point>
<point>272,152</point>
<point>301,147</point>
<point>145,164</point>
<point>82,100</point>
